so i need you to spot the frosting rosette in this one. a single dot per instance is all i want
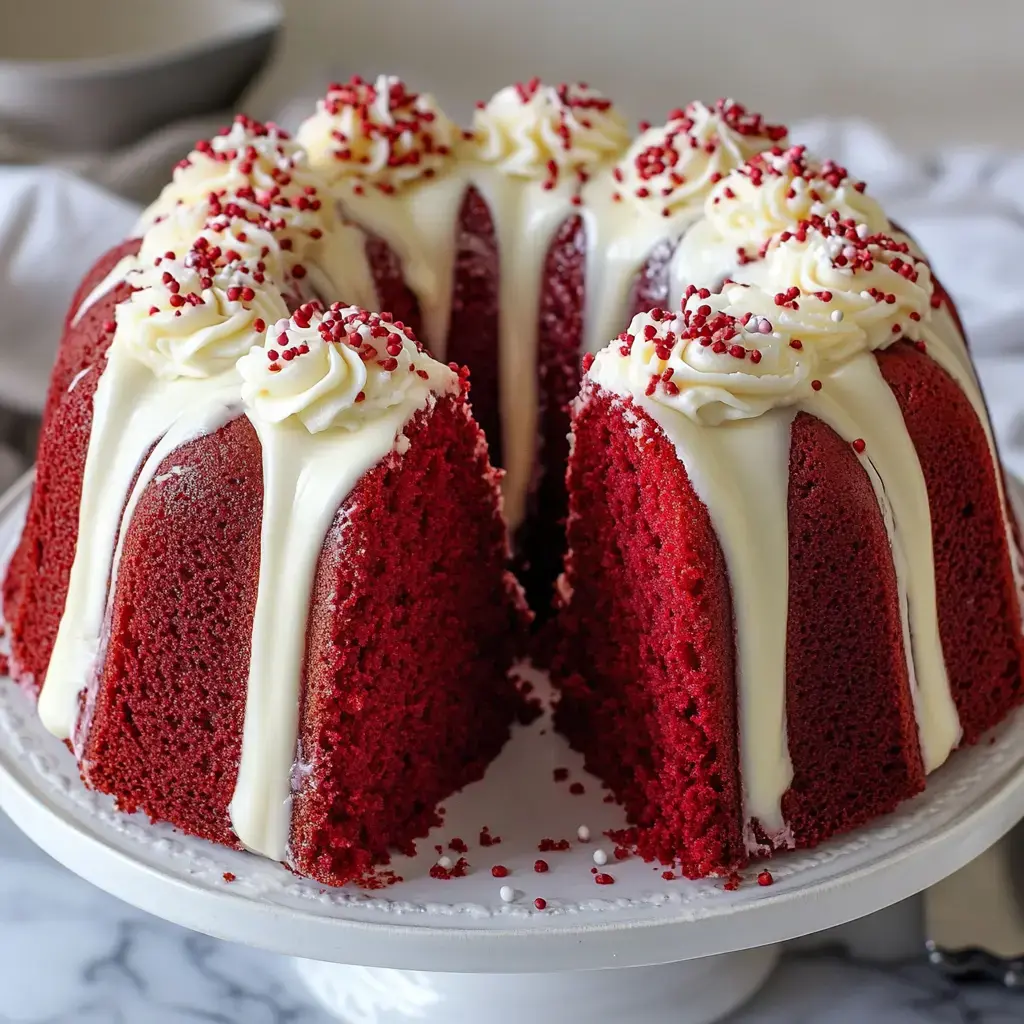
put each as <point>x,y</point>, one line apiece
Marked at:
<point>776,190</point>
<point>863,282</point>
<point>194,316</point>
<point>251,172</point>
<point>379,132</point>
<point>337,368</point>
<point>537,131</point>
<point>671,169</point>
<point>714,362</point>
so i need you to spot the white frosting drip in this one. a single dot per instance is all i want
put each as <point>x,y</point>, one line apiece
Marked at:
<point>380,133</point>
<point>132,410</point>
<point>311,463</point>
<point>537,131</point>
<point>114,277</point>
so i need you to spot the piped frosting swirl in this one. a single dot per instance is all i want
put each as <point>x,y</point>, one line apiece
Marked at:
<point>337,368</point>
<point>713,362</point>
<point>670,169</point>
<point>194,316</point>
<point>379,133</point>
<point>532,130</point>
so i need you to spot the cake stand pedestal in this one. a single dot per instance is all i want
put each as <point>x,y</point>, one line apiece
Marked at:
<point>644,949</point>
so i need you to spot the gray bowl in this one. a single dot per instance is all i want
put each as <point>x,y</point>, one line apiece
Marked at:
<point>77,75</point>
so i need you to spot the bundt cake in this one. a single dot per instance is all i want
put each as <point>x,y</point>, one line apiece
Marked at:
<point>263,589</point>
<point>792,585</point>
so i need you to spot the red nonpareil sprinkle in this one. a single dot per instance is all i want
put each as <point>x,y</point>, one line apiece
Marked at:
<point>458,845</point>
<point>604,879</point>
<point>816,385</point>
<point>259,325</point>
<point>859,445</point>
<point>540,866</point>
<point>499,871</point>
<point>109,326</point>
<point>361,397</point>
<point>669,876</point>
<point>765,878</point>
<point>540,903</point>
<point>229,876</point>
<point>577,789</point>
<point>298,271</point>
<point>560,774</point>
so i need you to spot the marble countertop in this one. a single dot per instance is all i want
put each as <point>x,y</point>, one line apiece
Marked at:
<point>70,954</point>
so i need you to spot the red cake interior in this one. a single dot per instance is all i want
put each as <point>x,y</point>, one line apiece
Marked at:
<point>410,635</point>
<point>647,659</point>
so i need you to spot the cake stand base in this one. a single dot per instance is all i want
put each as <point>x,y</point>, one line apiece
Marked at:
<point>692,992</point>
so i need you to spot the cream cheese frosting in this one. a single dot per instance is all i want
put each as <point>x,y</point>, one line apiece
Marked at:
<point>537,131</point>
<point>379,133</point>
<point>672,168</point>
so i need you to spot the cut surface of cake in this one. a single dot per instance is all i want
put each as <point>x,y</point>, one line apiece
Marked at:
<point>787,523</point>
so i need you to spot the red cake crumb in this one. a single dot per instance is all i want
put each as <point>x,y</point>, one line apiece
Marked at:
<point>540,866</point>
<point>669,876</point>
<point>229,876</point>
<point>457,870</point>
<point>732,883</point>
<point>553,845</point>
<point>577,789</point>
<point>667,641</point>
<point>458,845</point>
<point>765,878</point>
<point>486,839</point>
<point>499,871</point>
<point>604,879</point>
<point>621,853</point>
<point>560,774</point>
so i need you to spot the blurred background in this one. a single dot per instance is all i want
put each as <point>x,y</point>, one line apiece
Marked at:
<point>927,72</point>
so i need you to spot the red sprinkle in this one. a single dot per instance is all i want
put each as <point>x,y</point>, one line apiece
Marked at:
<point>229,876</point>
<point>540,903</point>
<point>561,774</point>
<point>859,445</point>
<point>499,871</point>
<point>765,878</point>
<point>816,385</point>
<point>458,845</point>
<point>669,876</point>
<point>604,879</point>
<point>540,866</point>
<point>577,789</point>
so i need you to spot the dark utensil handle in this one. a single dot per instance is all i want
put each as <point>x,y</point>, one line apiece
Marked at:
<point>974,964</point>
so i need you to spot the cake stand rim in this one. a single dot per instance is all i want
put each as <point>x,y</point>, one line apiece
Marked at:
<point>532,946</point>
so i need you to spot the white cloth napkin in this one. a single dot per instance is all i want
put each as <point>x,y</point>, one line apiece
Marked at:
<point>965,207</point>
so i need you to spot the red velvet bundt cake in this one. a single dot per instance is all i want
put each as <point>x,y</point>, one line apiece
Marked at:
<point>262,588</point>
<point>792,586</point>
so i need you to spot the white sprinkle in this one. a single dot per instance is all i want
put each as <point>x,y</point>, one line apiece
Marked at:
<point>837,315</point>
<point>862,231</point>
<point>600,858</point>
<point>507,893</point>
<point>444,862</point>
<point>583,834</point>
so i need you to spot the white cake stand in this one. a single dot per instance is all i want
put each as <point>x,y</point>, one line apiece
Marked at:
<point>454,950</point>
